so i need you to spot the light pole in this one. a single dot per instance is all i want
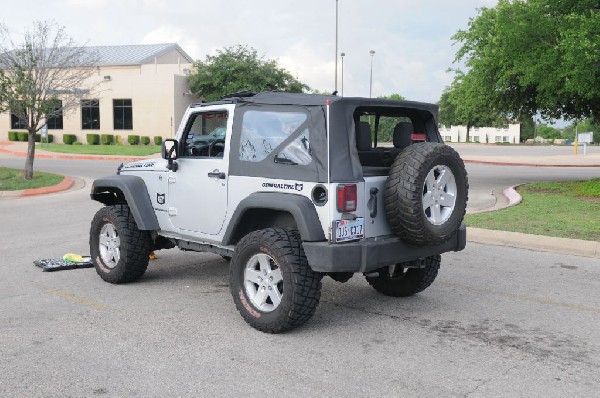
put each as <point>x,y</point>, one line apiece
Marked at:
<point>372,52</point>
<point>343,55</point>
<point>336,43</point>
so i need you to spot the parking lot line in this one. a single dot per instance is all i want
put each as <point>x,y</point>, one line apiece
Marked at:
<point>81,300</point>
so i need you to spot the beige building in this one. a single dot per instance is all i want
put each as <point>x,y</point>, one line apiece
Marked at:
<point>485,135</point>
<point>140,90</point>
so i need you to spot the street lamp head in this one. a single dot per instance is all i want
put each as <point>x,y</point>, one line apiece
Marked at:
<point>372,52</point>
<point>343,55</point>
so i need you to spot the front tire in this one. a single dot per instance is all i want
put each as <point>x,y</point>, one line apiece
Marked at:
<point>120,251</point>
<point>404,279</point>
<point>272,285</point>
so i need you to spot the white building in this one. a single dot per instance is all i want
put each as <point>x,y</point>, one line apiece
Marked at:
<point>487,135</point>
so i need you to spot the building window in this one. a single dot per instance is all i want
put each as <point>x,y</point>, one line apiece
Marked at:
<point>90,114</point>
<point>505,139</point>
<point>476,138</point>
<point>448,138</point>
<point>122,111</point>
<point>498,139</point>
<point>16,122</point>
<point>55,120</point>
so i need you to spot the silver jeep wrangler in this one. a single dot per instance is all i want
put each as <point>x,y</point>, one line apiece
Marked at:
<point>290,188</point>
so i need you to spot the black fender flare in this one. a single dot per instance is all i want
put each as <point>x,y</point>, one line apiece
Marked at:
<point>132,190</point>
<point>300,207</point>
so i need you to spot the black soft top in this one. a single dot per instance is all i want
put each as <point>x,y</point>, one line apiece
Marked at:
<point>345,164</point>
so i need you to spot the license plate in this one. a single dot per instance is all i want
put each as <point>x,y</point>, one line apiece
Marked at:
<point>346,230</point>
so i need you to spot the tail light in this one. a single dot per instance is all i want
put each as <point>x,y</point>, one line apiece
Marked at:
<point>346,198</point>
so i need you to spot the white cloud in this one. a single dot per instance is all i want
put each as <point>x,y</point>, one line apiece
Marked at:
<point>411,37</point>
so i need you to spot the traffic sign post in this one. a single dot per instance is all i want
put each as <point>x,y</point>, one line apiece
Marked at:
<point>44,134</point>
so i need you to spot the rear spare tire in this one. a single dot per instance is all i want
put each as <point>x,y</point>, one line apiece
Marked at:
<point>426,193</point>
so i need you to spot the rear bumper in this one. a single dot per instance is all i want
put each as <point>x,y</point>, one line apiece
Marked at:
<point>370,254</point>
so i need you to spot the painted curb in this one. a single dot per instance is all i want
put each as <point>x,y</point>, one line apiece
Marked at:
<point>65,184</point>
<point>520,240</point>
<point>513,196</point>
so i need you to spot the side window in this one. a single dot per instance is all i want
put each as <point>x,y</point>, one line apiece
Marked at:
<point>263,132</point>
<point>205,134</point>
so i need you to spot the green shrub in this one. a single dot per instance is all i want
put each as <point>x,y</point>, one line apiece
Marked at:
<point>157,140</point>
<point>50,138</point>
<point>145,140</point>
<point>22,136</point>
<point>93,139</point>
<point>37,137</point>
<point>107,139</point>
<point>69,139</point>
<point>118,140</point>
<point>133,139</point>
<point>12,136</point>
<point>77,143</point>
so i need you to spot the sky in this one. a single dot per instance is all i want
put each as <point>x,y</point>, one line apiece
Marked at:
<point>411,38</point>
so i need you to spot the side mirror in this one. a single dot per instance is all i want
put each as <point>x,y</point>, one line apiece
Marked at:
<point>169,152</point>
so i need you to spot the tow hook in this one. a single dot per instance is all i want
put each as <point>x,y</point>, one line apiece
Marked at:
<point>372,203</point>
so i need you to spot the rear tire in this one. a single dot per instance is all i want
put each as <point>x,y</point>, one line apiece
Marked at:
<point>120,251</point>
<point>400,281</point>
<point>272,285</point>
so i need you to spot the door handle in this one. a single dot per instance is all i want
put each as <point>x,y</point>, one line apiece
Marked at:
<point>217,174</point>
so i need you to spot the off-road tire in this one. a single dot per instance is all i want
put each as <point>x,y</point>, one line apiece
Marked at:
<point>134,246</point>
<point>400,281</point>
<point>405,192</point>
<point>300,286</point>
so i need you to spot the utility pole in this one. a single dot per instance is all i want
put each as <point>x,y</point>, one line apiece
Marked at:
<point>372,52</point>
<point>336,44</point>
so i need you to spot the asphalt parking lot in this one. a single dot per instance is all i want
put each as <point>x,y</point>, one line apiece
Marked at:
<point>497,322</point>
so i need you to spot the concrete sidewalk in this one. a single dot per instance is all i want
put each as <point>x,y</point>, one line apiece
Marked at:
<point>589,160</point>
<point>513,239</point>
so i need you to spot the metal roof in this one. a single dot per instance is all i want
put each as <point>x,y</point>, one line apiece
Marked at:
<point>135,54</point>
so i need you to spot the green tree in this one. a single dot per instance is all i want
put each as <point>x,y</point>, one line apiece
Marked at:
<point>35,73</point>
<point>240,68</point>
<point>548,132</point>
<point>536,56</point>
<point>527,127</point>
<point>583,126</point>
<point>465,103</point>
<point>386,127</point>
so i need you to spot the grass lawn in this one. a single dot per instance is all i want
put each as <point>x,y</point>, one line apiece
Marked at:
<point>12,179</point>
<point>123,150</point>
<point>563,209</point>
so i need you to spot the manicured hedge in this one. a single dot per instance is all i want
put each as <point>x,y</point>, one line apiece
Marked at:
<point>157,140</point>
<point>50,138</point>
<point>93,139</point>
<point>22,136</point>
<point>133,139</point>
<point>145,140</point>
<point>107,139</point>
<point>69,139</point>
<point>12,136</point>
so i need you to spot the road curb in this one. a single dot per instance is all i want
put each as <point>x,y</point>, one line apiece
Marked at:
<point>490,163</point>
<point>65,184</point>
<point>520,240</point>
